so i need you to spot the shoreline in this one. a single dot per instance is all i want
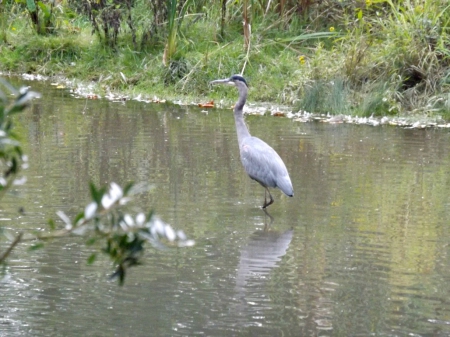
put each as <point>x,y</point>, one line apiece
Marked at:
<point>84,90</point>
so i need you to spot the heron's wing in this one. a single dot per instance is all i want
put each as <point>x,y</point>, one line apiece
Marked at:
<point>264,165</point>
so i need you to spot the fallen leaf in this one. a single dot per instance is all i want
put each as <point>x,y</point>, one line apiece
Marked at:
<point>279,114</point>
<point>206,105</point>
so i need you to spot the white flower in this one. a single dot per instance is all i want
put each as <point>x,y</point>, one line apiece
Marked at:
<point>112,196</point>
<point>90,210</point>
<point>140,219</point>
<point>169,233</point>
<point>128,220</point>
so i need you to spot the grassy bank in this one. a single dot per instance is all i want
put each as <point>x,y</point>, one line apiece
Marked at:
<point>360,58</point>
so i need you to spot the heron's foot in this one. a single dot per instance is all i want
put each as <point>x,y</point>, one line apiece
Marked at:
<point>266,204</point>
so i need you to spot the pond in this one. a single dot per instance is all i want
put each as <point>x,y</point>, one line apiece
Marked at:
<point>363,248</point>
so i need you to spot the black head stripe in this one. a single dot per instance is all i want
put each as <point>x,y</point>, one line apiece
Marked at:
<point>238,78</point>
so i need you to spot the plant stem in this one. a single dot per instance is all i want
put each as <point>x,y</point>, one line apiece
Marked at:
<point>11,247</point>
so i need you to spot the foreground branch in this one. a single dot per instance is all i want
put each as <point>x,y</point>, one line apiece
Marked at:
<point>8,251</point>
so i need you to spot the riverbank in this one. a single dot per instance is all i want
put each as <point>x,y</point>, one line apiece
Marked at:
<point>88,91</point>
<point>381,60</point>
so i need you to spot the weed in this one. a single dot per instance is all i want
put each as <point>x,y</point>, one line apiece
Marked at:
<point>355,57</point>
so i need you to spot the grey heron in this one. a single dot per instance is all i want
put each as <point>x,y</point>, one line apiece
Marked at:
<point>260,161</point>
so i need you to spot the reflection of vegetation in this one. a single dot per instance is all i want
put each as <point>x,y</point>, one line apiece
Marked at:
<point>370,221</point>
<point>389,56</point>
<point>103,219</point>
<point>387,227</point>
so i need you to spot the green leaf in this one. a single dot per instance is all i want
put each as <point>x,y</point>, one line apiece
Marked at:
<point>184,9</point>
<point>36,246</point>
<point>78,217</point>
<point>96,195</point>
<point>52,224</point>
<point>127,188</point>
<point>305,37</point>
<point>93,190</point>
<point>91,241</point>
<point>360,14</point>
<point>91,259</point>
<point>44,8</point>
<point>31,6</point>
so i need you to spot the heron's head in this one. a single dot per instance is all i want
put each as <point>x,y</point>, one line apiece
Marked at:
<point>235,80</point>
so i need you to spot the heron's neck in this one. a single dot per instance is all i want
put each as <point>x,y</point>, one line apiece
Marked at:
<point>241,128</point>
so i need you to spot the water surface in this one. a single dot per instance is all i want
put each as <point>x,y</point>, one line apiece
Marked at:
<point>362,249</point>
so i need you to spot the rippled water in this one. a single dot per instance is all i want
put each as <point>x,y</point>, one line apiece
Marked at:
<point>362,249</point>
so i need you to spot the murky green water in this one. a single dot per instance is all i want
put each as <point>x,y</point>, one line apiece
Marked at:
<point>362,249</point>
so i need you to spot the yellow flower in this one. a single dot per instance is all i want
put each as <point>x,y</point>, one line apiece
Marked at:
<point>301,59</point>
<point>331,29</point>
<point>368,2</point>
<point>13,28</point>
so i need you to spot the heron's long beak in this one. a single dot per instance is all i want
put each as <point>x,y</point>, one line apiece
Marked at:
<point>223,81</point>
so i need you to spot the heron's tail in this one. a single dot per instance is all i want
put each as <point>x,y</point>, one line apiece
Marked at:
<point>285,185</point>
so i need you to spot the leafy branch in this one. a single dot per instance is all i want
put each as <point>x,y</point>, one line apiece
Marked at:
<point>104,219</point>
<point>11,157</point>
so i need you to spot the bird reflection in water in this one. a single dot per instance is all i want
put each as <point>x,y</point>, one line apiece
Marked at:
<point>258,258</point>
<point>267,225</point>
<point>262,253</point>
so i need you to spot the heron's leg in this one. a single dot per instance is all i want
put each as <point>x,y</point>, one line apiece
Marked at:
<point>265,200</point>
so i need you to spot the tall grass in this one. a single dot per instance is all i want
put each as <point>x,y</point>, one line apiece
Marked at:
<point>175,18</point>
<point>394,58</point>
<point>369,58</point>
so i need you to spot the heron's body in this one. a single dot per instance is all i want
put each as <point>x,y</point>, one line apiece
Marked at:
<point>260,161</point>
